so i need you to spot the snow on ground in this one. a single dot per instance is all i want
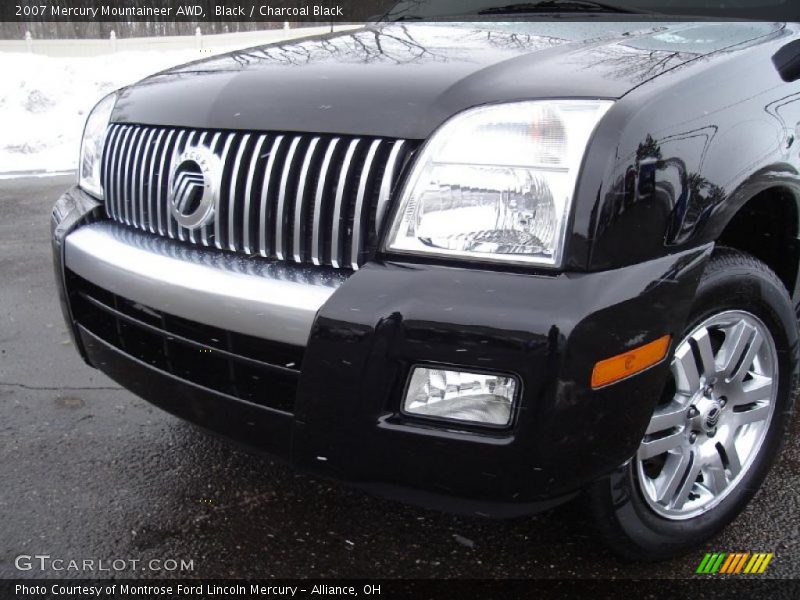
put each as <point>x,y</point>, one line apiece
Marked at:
<point>44,101</point>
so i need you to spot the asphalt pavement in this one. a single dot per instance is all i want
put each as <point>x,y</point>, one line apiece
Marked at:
<point>90,471</point>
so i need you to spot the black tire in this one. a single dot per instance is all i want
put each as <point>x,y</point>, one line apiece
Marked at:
<point>631,527</point>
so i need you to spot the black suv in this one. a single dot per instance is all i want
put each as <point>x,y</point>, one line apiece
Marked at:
<point>483,266</point>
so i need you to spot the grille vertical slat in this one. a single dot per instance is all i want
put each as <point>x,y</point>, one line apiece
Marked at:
<point>280,213</point>
<point>111,191</point>
<point>129,177</point>
<point>152,207</point>
<point>316,232</point>
<point>263,222</point>
<point>134,175</point>
<point>162,180</point>
<point>232,199</point>
<point>144,173</point>
<point>218,209</point>
<point>181,231</point>
<point>299,200</point>
<point>109,180</point>
<point>130,182</point>
<point>307,198</point>
<point>247,224</point>
<point>143,178</point>
<point>207,228</point>
<point>336,239</point>
<point>176,150</point>
<point>387,182</point>
<point>201,141</point>
<point>358,215</point>
<point>123,169</point>
<point>120,208</point>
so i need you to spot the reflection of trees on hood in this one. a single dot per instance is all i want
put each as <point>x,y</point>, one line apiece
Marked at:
<point>704,194</point>
<point>394,44</point>
<point>510,40</point>
<point>391,44</point>
<point>647,149</point>
<point>639,65</point>
<point>703,198</point>
<point>690,201</point>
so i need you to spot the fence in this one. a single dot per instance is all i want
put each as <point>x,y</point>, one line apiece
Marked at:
<point>199,41</point>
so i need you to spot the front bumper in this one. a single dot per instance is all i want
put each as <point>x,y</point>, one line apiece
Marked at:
<point>357,338</point>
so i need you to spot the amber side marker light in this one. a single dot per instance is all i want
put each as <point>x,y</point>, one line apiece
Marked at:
<point>634,361</point>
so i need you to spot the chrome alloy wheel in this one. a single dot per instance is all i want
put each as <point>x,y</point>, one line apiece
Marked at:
<point>699,445</point>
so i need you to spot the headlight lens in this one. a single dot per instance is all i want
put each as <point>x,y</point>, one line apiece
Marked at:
<point>496,183</point>
<point>94,138</point>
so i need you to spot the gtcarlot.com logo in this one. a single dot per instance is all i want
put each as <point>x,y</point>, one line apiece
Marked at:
<point>734,563</point>
<point>45,562</point>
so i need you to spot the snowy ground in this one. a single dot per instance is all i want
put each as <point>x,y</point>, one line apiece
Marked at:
<point>44,101</point>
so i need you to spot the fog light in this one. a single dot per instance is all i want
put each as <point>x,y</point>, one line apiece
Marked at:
<point>460,396</point>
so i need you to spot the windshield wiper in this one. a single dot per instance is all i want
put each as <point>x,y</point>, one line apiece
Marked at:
<point>558,6</point>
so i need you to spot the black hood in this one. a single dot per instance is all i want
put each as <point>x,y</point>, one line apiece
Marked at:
<point>404,80</point>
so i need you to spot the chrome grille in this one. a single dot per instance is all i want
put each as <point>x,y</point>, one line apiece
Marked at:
<point>303,198</point>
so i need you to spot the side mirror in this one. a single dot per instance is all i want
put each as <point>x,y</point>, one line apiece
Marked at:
<point>787,61</point>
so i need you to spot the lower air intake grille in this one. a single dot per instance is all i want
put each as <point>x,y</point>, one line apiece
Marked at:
<point>248,368</point>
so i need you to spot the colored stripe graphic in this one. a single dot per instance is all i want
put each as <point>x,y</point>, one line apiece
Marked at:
<point>742,560</point>
<point>734,563</point>
<point>729,562</point>
<point>703,564</point>
<point>759,562</point>
<point>765,562</point>
<point>711,563</point>
<point>752,564</point>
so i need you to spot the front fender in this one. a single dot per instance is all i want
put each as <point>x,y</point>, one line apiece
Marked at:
<point>689,150</point>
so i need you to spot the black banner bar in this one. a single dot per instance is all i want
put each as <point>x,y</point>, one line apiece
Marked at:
<point>327,11</point>
<point>200,11</point>
<point>698,588</point>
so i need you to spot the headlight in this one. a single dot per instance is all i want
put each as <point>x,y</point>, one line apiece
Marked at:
<point>94,138</point>
<point>496,183</point>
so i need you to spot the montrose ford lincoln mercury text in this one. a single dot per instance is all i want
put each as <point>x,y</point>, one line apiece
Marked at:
<point>487,266</point>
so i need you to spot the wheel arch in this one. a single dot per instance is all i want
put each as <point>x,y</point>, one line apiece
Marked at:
<point>765,222</point>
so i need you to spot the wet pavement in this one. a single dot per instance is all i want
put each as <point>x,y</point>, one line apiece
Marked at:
<point>89,471</point>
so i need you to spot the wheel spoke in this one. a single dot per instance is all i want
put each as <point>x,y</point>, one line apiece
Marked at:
<point>667,417</point>
<point>732,455</point>
<point>651,448</point>
<point>754,390</point>
<point>671,476</point>
<point>703,341</point>
<point>715,479</point>
<point>688,483</point>
<point>750,355</point>
<point>733,348</point>
<point>684,368</point>
<point>758,413</point>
